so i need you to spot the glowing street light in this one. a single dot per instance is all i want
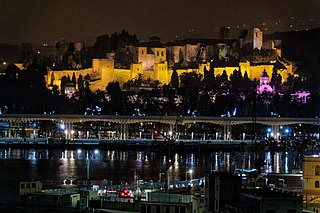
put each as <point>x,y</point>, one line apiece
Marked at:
<point>188,172</point>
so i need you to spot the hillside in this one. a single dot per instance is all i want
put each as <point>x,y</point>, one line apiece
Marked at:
<point>302,47</point>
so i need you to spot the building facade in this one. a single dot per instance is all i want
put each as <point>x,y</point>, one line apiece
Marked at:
<point>156,61</point>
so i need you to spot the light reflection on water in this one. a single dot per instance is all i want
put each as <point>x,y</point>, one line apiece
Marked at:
<point>119,166</point>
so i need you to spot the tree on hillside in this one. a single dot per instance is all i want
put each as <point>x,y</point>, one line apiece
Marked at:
<point>80,83</point>
<point>209,79</point>
<point>224,32</point>
<point>114,90</point>
<point>74,80</point>
<point>11,72</point>
<point>190,80</point>
<point>174,79</point>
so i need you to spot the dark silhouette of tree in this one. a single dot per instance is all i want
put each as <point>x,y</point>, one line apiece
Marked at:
<point>69,57</point>
<point>223,78</point>
<point>113,43</point>
<point>174,79</point>
<point>114,90</point>
<point>181,56</point>
<point>209,79</point>
<point>102,46</point>
<point>243,33</point>
<point>11,72</point>
<point>236,79</point>
<point>224,32</point>
<point>191,79</point>
<point>276,79</point>
<point>190,83</point>
<point>74,80</point>
<point>64,82</point>
<point>80,84</point>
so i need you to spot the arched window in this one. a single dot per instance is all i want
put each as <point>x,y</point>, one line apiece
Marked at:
<point>317,170</point>
<point>316,185</point>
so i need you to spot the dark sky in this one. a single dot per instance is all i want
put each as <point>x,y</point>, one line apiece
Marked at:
<point>44,21</point>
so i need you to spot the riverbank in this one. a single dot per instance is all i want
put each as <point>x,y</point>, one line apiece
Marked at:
<point>42,143</point>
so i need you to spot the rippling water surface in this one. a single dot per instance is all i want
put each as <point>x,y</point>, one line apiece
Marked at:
<point>118,166</point>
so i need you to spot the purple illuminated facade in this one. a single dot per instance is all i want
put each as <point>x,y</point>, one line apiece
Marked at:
<point>301,96</point>
<point>264,84</point>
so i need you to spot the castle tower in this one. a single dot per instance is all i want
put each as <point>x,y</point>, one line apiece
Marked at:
<point>104,68</point>
<point>257,38</point>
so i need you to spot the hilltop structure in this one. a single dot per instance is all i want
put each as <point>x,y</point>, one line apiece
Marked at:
<point>265,84</point>
<point>156,61</point>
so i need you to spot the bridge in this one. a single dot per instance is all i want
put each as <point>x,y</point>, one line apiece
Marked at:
<point>119,119</point>
<point>69,121</point>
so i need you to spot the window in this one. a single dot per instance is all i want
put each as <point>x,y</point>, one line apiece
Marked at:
<point>22,185</point>
<point>157,53</point>
<point>317,170</point>
<point>28,185</point>
<point>142,52</point>
<point>316,184</point>
<point>33,185</point>
<point>162,53</point>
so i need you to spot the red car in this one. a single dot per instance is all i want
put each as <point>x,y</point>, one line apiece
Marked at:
<point>125,193</point>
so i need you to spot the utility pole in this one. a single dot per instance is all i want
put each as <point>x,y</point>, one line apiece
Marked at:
<point>254,118</point>
<point>88,159</point>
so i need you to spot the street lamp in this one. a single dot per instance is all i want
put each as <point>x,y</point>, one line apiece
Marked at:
<point>72,134</point>
<point>160,173</point>
<point>269,130</point>
<point>190,172</point>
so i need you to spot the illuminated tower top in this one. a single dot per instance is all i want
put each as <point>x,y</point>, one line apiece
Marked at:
<point>257,38</point>
<point>264,83</point>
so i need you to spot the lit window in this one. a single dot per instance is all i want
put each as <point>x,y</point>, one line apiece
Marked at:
<point>317,170</point>
<point>316,185</point>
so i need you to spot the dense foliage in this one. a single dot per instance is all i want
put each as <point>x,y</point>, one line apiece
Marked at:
<point>25,92</point>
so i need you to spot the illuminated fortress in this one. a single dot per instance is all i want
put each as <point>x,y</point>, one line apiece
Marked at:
<point>156,61</point>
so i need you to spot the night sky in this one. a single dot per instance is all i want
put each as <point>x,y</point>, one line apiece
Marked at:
<point>42,21</point>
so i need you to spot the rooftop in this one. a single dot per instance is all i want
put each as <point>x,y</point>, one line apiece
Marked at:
<point>269,193</point>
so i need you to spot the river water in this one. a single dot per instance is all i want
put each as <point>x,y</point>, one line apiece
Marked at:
<point>106,166</point>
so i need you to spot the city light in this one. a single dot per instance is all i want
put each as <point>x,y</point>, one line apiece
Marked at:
<point>62,126</point>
